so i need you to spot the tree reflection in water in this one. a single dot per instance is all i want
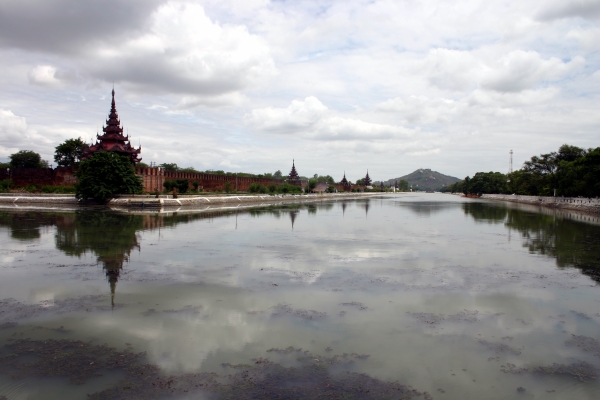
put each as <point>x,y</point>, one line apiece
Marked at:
<point>552,233</point>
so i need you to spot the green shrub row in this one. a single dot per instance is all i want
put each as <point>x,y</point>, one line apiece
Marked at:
<point>274,189</point>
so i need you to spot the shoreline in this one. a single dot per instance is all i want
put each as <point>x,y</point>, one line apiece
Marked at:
<point>152,203</point>
<point>586,205</point>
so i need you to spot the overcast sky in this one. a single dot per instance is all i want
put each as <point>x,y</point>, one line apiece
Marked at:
<point>249,85</point>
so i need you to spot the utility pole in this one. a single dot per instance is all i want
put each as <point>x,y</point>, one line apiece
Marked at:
<point>510,168</point>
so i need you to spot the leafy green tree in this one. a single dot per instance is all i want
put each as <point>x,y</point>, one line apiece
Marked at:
<point>403,185</point>
<point>188,169</point>
<point>325,179</point>
<point>278,174</point>
<point>25,159</point>
<point>4,165</point>
<point>68,153</point>
<point>169,166</point>
<point>487,182</point>
<point>105,175</point>
<point>580,177</point>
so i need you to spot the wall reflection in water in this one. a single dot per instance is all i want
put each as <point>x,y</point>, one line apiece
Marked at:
<point>112,236</point>
<point>573,239</point>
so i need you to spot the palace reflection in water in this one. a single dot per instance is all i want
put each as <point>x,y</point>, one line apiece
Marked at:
<point>112,236</point>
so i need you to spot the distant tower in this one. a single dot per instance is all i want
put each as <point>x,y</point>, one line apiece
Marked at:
<point>367,179</point>
<point>293,177</point>
<point>510,169</point>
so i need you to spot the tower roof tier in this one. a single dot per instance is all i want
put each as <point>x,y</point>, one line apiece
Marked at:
<point>113,138</point>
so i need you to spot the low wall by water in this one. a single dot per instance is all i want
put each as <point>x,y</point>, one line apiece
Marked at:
<point>169,201</point>
<point>569,203</point>
<point>193,201</point>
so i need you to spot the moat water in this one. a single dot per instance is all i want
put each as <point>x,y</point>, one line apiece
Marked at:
<point>399,296</point>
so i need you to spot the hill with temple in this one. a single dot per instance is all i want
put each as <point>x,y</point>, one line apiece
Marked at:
<point>425,179</point>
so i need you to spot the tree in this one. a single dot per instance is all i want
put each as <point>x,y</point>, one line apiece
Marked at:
<point>25,159</point>
<point>403,185</point>
<point>68,153</point>
<point>278,174</point>
<point>104,175</point>
<point>169,166</point>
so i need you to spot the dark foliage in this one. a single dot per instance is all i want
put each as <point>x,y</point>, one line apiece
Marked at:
<point>105,175</point>
<point>571,171</point>
<point>68,153</point>
<point>26,159</point>
<point>182,185</point>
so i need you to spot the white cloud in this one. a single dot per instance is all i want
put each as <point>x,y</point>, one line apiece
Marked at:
<point>299,115</point>
<point>185,52</point>
<point>311,119</point>
<point>43,75</point>
<point>451,69</point>
<point>15,135</point>
<point>11,124</point>
<point>588,38</point>
<point>521,70</point>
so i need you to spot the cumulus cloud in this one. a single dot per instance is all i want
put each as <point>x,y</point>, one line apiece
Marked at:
<point>520,70</point>
<point>557,9</point>
<point>423,110</point>
<point>588,38</point>
<point>43,75</point>
<point>185,52</point>
<point>299,115</point>
<point>147,46</point>
<point>312,119</point>
<point>69,26</point>
<point>16,135</point>
<point>451,69</point>
<point>512,72</point>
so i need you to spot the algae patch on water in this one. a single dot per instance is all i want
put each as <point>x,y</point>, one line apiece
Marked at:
<point>311,376</point>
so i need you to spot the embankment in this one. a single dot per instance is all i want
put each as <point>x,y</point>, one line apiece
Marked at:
<point>24,199</point>
<point>567,203</point>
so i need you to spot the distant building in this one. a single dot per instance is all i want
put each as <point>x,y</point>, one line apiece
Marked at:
<point>346,186</point>
<point>367,179</point>
<point>113,139</point>
<point>293,177</point>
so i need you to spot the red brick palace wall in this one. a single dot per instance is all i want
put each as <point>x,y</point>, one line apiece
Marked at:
<point>60,176</point>
<point>153,179</point>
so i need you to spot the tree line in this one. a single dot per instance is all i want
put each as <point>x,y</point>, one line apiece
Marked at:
<point>571,171</point>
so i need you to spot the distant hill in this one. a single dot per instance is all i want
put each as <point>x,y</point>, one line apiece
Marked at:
<point>425,179</point>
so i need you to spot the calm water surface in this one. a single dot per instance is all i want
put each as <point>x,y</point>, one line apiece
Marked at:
<point>456,298</point>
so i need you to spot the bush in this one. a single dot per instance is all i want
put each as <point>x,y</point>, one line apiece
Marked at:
<point>182,185</point>
<point>257,188</point>
<point>5,185</point>
<point>105,175</point>
<point>58,189</point>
